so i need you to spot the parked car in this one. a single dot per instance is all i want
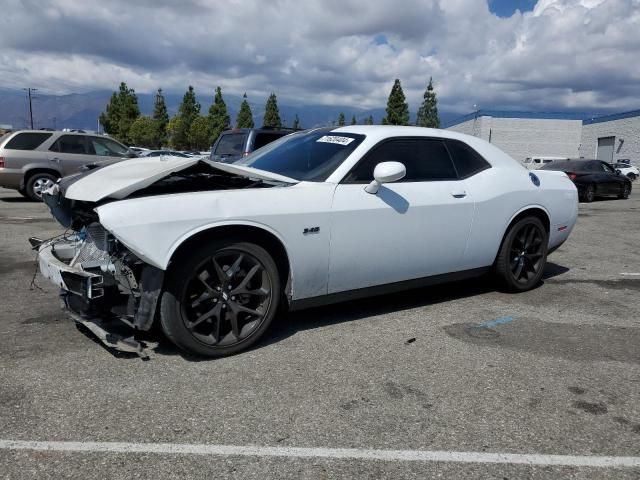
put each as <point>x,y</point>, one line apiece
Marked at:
<point>234,144</point>
<point>139,150</point>
<point>593,178</point>
<point>317,217</point>
<point>162,153</point>
<point>535,162</point>
<point>32,160</point>
<point>628,170</point>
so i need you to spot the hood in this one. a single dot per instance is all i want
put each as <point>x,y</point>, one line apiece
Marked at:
<point>121,179</point>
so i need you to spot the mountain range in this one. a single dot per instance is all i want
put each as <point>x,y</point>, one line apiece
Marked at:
<point>81,110</point>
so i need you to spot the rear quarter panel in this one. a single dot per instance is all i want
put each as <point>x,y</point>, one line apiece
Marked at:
<point>502,194</point>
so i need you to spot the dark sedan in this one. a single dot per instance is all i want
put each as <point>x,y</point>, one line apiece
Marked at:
<point>593,178</point>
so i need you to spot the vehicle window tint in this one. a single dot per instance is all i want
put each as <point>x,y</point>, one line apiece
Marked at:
<point>231,144</point>
<point>106,147</point>
<point>71,144</point>
<point>424,160</point>
<point>606,168</point>
<point>27,141</point>
<point>263,138</point>
<point>468,162</point>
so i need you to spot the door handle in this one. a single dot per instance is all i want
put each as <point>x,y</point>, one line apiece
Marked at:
<point>54,159</point>
<point>459,193</point>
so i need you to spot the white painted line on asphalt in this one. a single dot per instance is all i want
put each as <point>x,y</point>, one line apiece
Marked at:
<point>331,453</point>
<point>630,274</point>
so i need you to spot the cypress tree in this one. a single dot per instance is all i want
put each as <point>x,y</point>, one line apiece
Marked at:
<point>353,120</point>
<point>296,122</point>
<point>341,120</point>
<point>428,111</point>
<point>245,117</point>
<point>122,110</point>
<point>161,119</point>
<point>188,112</point>
<point>397,107</point>
<point>218,117</point>
<point>271,113</point>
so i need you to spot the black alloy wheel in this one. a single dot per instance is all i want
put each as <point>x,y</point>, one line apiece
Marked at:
<point>625,191</point>
<point>220,299</point>
<point>590,193</point>
<point>523,255</point>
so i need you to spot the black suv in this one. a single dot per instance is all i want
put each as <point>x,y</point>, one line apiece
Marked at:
<point>234,144</point>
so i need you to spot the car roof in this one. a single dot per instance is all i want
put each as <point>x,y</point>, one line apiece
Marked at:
<point>377,133</point>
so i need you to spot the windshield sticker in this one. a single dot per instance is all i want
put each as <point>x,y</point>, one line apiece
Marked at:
<point>336,140</point>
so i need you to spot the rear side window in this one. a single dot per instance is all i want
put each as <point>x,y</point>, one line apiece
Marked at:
<point>231,144</point>
<point>468,162</point>
<point>424,159</point>
<point>27,141</point>
<point>106,147</point>
<point>71,144</point>
<point>263,138</point>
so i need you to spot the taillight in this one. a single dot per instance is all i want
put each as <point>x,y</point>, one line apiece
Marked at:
<point>1,162</point>
<point>572,176</point>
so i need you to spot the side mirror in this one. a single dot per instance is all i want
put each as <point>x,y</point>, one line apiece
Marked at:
<point>385,172</point>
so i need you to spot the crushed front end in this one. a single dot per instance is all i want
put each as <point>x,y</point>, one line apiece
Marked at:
<point>103,285</point>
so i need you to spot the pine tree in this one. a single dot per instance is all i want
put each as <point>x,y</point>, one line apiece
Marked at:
<point>120,113</point>
<point>428,111</point>
<point>161,119</point>
<point>245,117</point>
<point>397,107</point>
<point>188,112</point>
<point>369,120</point>
<point>296,122</point>
<point>341,120</point>
<point>271,113</point>
<point>218,117</point>
<point>353,120</point>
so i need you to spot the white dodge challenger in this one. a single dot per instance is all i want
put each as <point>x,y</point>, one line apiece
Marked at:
<point>211,251</point>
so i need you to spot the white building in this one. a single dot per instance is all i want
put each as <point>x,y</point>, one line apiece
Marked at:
<point>612,137</point>
<point>525,134</point>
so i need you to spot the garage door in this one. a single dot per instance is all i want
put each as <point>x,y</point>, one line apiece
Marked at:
<point>605,148</point>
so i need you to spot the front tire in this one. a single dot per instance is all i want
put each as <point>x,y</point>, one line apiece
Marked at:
<point>523,255</point>
<point>625,191</point>
<point>220,298</point>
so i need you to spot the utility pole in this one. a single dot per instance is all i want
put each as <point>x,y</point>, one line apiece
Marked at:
<point>29,90</point>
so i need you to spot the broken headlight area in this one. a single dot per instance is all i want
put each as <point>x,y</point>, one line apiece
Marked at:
<point>102,282</point>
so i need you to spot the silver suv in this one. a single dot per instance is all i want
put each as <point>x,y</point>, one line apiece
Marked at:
<point>32,160</point>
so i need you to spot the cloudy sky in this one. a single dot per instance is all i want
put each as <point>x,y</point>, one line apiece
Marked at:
<point>514,54</point>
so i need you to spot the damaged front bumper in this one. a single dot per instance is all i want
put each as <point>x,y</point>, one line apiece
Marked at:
<point>103,286</point>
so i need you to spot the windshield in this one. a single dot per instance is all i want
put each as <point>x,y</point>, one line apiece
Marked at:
<point>308,156</point>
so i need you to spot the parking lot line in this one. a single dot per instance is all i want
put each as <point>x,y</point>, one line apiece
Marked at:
<point>331,453</point>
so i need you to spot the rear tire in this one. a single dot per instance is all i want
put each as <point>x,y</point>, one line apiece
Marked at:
<point>589,193</point>
<point>632,176</point>
<point>38,183</point>
<point>220,298</point>
<point>523,255</point>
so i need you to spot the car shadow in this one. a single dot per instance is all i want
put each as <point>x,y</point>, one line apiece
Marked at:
<point>288,324</point>
<point>293,322</point>
<point>16,200</point>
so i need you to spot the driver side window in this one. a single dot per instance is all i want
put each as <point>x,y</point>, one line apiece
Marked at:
<point>425,160</point>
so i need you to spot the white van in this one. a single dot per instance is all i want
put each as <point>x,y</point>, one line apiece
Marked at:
<point>533,163</point>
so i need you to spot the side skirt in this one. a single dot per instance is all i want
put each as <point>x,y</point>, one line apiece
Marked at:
<point>376,290</point>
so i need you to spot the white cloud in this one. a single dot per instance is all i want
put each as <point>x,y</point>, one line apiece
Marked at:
<point>579,54</point>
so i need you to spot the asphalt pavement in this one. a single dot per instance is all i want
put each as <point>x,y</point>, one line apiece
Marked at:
<point>461,367</point>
